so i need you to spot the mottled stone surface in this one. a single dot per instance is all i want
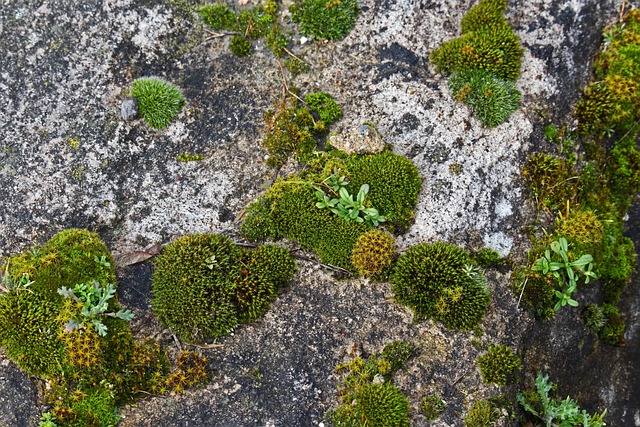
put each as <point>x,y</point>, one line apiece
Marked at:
<point>68,159</point>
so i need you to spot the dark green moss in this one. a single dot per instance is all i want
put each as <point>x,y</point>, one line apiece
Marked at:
<point>240,46</point>
<point>265,272</point>
<point>432,407</point>
<point>398,353</point>
<point>488,258</point>
<point>249,23</point>
<point>325,19</point>
<point>499,366</point>
<point>440,281</point>
<point>194,284</point>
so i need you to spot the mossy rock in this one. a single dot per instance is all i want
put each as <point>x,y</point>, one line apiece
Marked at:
<point>288,209</point>
<point>29,316</point>
<point>441,281</point>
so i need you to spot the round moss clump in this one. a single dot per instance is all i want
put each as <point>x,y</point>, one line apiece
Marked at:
<point>500,366</point>
<point>159,101</point>
<point>492,98</point>
<point>441,281</point>
<point>265,272</point>
<point>381,405</point>
<point>194,286</point>
<point>373,252</point>
<point>322,103</point>
<point>583,226</point>
<point>240,46</point>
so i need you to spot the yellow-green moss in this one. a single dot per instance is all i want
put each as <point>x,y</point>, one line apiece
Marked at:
<point>325,19</point>
<point>487,43</point>
<point>373,252</point>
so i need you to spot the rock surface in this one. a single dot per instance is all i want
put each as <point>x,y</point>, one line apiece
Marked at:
<point>67,159</point>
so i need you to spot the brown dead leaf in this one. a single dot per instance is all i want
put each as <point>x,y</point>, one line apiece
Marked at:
<point>131,258</point>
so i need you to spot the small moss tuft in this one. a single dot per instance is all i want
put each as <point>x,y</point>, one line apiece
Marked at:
<point>487,258</point>
<point>240,46</point>
<point>441,281</point>
<point>373,252</point>
<point>324,104</point>
<point>582,226</point>
<point>325,19</point>
<point>492,98</point>
<point>159,101</point>
<point>482,414</point>
<point>432,407</point>
<point>500,366</point>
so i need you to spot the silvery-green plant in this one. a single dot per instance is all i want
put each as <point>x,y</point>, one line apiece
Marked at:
<point>95,300</point>
<point>563,413</point>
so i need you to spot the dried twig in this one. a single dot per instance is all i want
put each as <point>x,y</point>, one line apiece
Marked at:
<point>521,292</point>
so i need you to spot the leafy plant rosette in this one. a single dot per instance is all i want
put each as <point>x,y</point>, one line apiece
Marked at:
<point>94,300</point>
<point>563,270</point>
<point>344,204</point>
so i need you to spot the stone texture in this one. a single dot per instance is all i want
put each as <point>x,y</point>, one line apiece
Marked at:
<point>68,159</point>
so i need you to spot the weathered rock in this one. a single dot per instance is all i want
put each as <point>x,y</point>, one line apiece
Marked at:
<point>129,109</point>
<point>63,68</point>
<point>364,139</point>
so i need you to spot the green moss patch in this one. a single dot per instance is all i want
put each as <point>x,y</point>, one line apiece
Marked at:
<point>325,19</point>
<point>485,61</point>
<point>367,395</point>
<point>204,286</point>
<point>442,282</point>
<point>288,209</point>
<point>500,365</point>
<point>159,101</point>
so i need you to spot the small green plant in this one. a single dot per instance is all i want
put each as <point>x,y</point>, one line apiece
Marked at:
<point>240,46</point>
<point>500,365</point>
<point>563,272</point>
<point>551,133</point>
<point>95,301</point>
<point>159,101</point>
<point>493,99</point>
<point>48,420</point>
<point>564,413</point>
<point>325,19</point>
<point>432,407</point>
<point>346,207</point>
